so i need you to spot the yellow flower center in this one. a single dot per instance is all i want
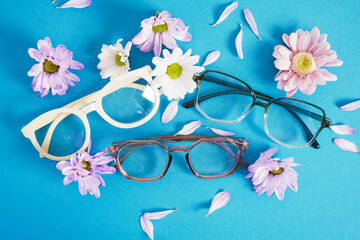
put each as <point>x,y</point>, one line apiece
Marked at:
<point>118,61</point>
<point>160,28</point>
<point>275,172</point>
<point>49,67</point>
<point>303,63</point>
<point>87,165</point>
<point>173,71</point>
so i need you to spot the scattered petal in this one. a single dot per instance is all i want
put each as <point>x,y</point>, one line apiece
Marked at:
<point>221,132</point>
<point>226,12</point>
<point>170,112</point>
<point>238,43</point>
<point>211,58</point>
<point>75,4</point>
<point>342,129</point>
<point>219,201</point>
<point>346,145</point>
<point>158,215</point>
<point>250,19</point>
<point>147,227</point>
<point>351,106</point>
<point>189,128</point>
<point>146,224</point>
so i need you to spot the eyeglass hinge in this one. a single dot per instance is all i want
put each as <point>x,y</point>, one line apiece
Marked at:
<point>196,77</point>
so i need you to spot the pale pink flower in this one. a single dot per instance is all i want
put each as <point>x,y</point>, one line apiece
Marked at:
<point>300,60</point>
<point>161,29</point>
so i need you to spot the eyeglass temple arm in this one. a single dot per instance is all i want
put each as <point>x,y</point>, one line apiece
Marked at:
<point>262,96</point>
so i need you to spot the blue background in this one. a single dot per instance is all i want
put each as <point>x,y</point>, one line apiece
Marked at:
<point>35,204</point>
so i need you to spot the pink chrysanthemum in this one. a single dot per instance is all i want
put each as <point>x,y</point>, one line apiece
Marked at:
<point>52,70</point>
<point>299,63</point>
<point>159,30</point>
<point>272,175</point>
<point>84,169</point>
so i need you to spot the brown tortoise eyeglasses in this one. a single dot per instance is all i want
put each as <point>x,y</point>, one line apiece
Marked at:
<point>208,157</point>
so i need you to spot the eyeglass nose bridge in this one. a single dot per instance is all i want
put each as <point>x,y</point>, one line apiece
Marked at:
<point>178,149</point>
<point>260,103</point>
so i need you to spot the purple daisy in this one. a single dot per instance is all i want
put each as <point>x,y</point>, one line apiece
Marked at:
<point>272,175</point>
<point>52,69</point>
<point>160,30</point>
<point>84,169</point>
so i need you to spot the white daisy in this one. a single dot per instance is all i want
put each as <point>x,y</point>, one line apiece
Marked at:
<point>174,73</point>
<point>114,60</point>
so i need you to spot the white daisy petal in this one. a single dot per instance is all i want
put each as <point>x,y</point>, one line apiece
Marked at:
<point>114,60</point>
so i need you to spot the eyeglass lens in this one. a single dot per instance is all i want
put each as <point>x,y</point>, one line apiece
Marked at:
<point>226,103</point>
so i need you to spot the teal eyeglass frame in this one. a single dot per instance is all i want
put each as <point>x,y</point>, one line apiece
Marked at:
<point>257,96</point>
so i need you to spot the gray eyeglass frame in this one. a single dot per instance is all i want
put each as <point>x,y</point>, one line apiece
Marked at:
<point>199,78</point>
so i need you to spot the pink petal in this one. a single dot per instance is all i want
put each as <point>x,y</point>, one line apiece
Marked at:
<point>219,201</point>
<point>281,51</point>
<point>304,42</point>
<point>314,36</point>
<point>238,43</point>
<point>345,145</point>
<point>334,63</point>
<point>158,215</point>
<point>211,58</point>
<point>221,132</point>
<point>282,64</point>
<point>189,128</point>
<point>351,106</point>
<point>293,41</point>
<point>170,112</point>
<point>250,19</point>
<point>327,75</point>
<point>292,92</point>
<point>342,129</point>
<point>76,4</point>
<point>226,12</point>
<point>147,227</point>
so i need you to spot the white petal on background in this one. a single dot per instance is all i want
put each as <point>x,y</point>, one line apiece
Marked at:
<point>170,112</point>
<point>238,43</point>
<point>346,145</point>
<point>351,106</point>
<point>75,4</point>
<point>219,201</point>
<point>250,19</point>
<point>158,215</point>
<point>189,128</point>
<point>342,129</point>
<point>221,132</point>
<point>226,12</point>
<point>211,58</point>
<point>147,227</point>
<point>146,224</point>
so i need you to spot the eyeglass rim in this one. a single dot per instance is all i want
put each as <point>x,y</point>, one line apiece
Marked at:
<point>321,127</point>
<point>90,102</point>
<point>197,140</point>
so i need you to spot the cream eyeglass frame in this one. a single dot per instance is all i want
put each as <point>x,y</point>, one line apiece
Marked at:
<point>87,104</point>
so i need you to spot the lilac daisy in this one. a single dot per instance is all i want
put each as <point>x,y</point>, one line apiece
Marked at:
<point>84,169</point>
<point>272,175</point>
<point>52,70</point>
<point>160,30</point>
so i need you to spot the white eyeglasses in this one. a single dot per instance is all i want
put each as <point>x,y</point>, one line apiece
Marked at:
<point>125,102</point>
